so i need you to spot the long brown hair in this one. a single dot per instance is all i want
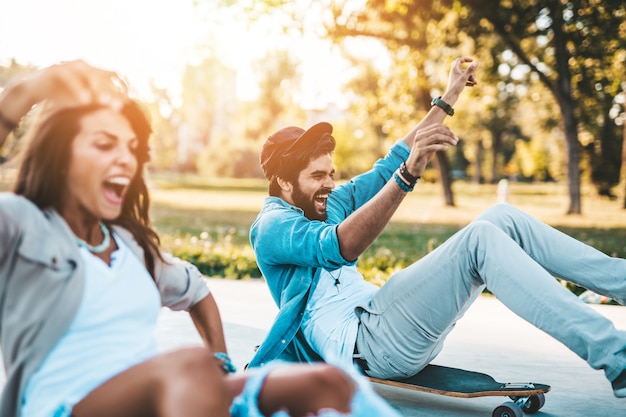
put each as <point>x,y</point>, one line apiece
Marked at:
<point>43,171</point>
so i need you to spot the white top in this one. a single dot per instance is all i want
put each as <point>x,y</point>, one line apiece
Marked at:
<point>330,323</point>
<point>114,329</point>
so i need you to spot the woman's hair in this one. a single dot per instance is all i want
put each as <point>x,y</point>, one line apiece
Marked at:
<point>42,175</point>
<point>295,161</point>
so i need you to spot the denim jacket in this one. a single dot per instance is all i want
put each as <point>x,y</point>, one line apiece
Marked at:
<point>291,250</point>
<point>41,286</point>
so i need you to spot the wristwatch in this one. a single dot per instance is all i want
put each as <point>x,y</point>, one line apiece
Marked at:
<point>437,101</point>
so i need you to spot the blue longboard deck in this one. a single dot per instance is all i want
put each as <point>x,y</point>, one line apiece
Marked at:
<point>455,382</point>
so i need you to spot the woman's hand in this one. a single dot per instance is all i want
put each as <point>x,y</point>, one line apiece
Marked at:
<point>76,83</point>
<point>66,84</point>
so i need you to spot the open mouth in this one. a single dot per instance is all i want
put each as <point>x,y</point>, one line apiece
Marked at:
<point>320,200</point>
<point>115,188</point>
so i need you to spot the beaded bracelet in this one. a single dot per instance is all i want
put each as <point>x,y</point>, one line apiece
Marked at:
<point>8,124</point>
<point>405,179</point>
<point>402,183</point>
<point>227,363</point>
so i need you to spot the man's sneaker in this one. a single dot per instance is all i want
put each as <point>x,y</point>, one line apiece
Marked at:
<point>619,385</point>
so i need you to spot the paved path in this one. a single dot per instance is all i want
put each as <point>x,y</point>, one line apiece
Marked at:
<point>489,339</point>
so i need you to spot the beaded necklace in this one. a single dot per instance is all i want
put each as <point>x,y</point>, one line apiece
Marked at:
<point>101,247</point>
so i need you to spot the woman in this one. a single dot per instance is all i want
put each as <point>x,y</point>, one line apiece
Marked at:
<point>82,278</point>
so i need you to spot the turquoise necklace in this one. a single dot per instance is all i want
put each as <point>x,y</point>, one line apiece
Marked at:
<point>101,247</point>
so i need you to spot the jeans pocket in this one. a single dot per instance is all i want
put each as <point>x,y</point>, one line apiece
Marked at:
<point>395,368</point>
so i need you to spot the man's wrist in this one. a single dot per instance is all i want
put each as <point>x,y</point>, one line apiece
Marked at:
<point>443,105</point>
<point>450,98</point>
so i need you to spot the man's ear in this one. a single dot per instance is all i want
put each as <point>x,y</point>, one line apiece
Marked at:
<point>284,185</point>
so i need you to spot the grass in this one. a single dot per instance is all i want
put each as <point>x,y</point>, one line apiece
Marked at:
<point>225,210</point>
<point>197,215</point>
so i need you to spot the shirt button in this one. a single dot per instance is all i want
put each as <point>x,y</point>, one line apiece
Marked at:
<point>283,341</point>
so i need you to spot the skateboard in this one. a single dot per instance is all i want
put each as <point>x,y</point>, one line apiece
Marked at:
<point>455,382</point>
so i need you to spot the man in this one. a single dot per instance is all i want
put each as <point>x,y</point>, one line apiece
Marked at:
<point>309,234</point>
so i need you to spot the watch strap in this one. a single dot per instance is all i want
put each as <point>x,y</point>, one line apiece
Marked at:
<point>437,101</point>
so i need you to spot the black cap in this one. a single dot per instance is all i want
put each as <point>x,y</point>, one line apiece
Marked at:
<point>287,139</point>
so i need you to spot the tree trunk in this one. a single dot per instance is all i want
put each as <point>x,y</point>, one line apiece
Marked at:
<point>443,168</point>
<point>623,168</point>
<point>573,158</point>
<point>566,103</point>
<point>440,162</point>
<point>496,140</point>
<point>477,175</point>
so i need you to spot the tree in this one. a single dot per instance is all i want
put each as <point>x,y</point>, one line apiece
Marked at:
<point>7,73</point>
<point>415,34</point>
<point>553,38</point>
<point>276,72</point>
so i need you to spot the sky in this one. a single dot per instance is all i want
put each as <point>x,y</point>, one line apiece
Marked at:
<point>145,40</point>
<point>140,38</point>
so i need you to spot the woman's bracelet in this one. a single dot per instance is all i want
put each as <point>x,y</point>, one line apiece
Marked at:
<point>9,125</point>
<point>227,363</point>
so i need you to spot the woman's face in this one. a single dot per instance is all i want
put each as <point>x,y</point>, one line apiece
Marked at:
<point>102,164</point>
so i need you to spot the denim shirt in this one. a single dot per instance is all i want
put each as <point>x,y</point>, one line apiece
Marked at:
<point>291,250</point>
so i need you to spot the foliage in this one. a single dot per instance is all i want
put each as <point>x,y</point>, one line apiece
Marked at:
<point>571,47</point>
<point>8,73</point>
<point>208,224</point>
<point>224,254</point>
<point>214,256</point>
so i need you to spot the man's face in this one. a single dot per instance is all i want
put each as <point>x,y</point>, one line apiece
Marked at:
<point>314,184</point>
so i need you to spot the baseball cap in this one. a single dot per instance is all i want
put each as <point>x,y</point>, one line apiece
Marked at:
<point>287,139</point>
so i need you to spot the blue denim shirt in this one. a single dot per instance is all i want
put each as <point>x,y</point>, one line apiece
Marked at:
<point>291,250</point>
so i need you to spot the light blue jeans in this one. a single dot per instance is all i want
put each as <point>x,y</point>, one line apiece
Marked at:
<point>516,257</point>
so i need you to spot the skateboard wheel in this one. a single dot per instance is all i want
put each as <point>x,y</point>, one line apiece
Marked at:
<point>534,403</point>
<point>508,409</point>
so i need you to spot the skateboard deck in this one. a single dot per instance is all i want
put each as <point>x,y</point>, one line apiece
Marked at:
<point>455,382</point>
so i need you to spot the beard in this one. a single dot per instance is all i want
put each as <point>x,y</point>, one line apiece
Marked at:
<point>307,203</point>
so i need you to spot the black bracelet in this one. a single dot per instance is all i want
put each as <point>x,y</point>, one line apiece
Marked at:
<point>9,125</point>
<point>405,174</point>
<point>402,183</point>
<point>437,101</point>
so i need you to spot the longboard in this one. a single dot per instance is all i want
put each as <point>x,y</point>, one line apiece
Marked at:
<point>454,382</point>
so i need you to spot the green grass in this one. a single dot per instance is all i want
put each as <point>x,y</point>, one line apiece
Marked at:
<point>207,221</point>
<point>212,219</point>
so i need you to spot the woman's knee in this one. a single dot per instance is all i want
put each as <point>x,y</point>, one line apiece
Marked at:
<point>306,389</point>
<point>189,362</point>
<point>192,376</point>
<point>332,380</point>
<point>330,388</point>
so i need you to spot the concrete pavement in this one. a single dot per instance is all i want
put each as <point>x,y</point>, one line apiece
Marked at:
<point>488,339</point>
